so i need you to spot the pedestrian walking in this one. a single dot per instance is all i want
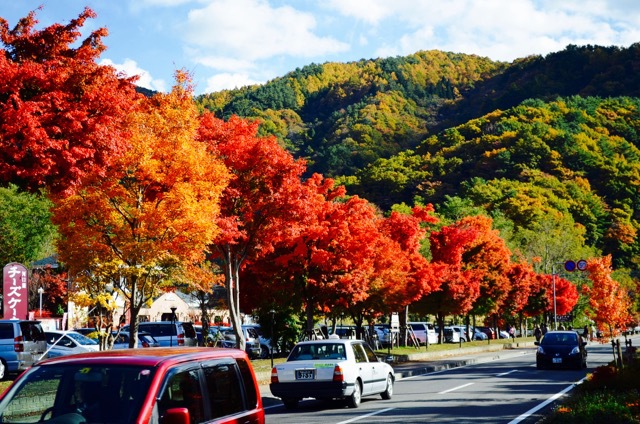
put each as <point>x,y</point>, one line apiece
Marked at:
<point>537,333</point>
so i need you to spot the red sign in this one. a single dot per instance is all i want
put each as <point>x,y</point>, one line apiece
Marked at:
<point>15,295</point>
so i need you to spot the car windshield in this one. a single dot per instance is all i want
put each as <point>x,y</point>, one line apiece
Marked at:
<point>559,339</point>
<point>317,351</point>
<point>83,340</point>
<point>77,393</point>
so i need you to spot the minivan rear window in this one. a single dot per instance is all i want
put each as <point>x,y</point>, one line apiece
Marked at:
<point>32,332</point>
<point>189,331</point>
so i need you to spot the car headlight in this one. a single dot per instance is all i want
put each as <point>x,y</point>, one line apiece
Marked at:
<point>540,350</point>
<point>575,351</point>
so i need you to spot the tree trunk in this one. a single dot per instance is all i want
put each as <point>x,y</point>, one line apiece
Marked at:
<point>233,297</point>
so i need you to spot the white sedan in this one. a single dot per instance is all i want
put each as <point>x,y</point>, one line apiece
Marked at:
<point>331,369</point>
<point>61,343</point>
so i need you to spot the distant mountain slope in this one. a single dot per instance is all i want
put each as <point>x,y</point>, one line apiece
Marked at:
<point>342,117</point>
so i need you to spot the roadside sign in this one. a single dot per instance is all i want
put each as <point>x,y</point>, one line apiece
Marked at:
<point>582,265</point>
<point>570,266</point>
<point>395,323</point>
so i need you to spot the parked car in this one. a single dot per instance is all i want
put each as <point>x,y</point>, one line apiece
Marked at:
<point>503,334</point>
<point>22,342</point>
<point>473,334</point>
<point>169,333</point>
<point>144,340</point>
<point>61,343</point>
<point>424,331</point>
<point>265,343</point>
<point>451,335</point>
<point>177,385</point>
<point>479,335</point>
<point>561,349</point>
<point>384,334</point>
<point>331,369</point>
<point>344,331</point>
<point>491,334</point>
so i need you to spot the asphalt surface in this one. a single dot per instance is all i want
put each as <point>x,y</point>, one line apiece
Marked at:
<point>427,362</point>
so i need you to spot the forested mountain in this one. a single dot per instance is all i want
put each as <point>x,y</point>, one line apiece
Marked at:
<point>547,144</point>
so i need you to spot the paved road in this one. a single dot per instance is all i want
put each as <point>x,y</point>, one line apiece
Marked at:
<point>495,387</point>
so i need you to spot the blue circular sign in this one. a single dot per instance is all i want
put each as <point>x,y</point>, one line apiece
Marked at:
<point>570,266</point>
<point>582,265</point>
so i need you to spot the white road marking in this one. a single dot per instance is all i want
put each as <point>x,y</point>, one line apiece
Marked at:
<point>545,403</point>
<point>352,420</point>
<point>455,388</point>
<point>506,373</point>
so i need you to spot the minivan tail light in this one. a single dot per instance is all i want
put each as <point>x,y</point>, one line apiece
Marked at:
<point>274,375</point>
<point>18,344</point>
<point>145,344</point>
<point>180,339</point>
<point>338,375</point>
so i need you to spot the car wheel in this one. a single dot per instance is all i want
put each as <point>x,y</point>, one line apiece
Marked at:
<point>290,403</point>
<point>539,366</point>
<point>354,400</point>
<point>3,369</point>
<point>388,392</point>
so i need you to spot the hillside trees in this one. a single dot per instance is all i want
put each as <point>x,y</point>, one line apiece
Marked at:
<point>61,114</point>
<point>154,211</point>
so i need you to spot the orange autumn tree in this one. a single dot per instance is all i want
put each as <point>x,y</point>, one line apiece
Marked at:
<point>608,301</point>
<point>403,274</point>
<point>62,116</point>
<point>153,212</point>
<point>331,260</point>
<point>490,259</point>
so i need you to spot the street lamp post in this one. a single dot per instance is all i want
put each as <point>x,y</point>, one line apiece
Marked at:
<point>273,339</point>
<point>40,291</point>
<point>173,322</point>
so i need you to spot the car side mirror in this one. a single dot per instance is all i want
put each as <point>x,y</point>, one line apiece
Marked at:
<point>176,416</point>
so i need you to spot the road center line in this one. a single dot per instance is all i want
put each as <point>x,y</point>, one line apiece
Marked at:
<point>455,388</point>
<point>506,373</point>
<point>352,420</point>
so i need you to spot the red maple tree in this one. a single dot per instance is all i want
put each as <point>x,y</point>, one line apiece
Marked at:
<point>259,207</point>
<point>61,114</point>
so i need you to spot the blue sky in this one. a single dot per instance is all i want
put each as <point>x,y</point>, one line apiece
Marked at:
<point>231,43</point>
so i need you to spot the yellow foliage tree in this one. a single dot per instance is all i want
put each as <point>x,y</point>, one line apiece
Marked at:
<point>152,214</point>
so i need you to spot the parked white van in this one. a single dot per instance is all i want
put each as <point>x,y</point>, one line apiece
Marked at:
<point>424,331</point>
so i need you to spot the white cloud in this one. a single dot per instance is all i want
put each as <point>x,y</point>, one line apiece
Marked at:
<point>253,30</point>
<point>130,68</point>
<point>227,81</point>
<point>369,11</point>
<point>504,29</point>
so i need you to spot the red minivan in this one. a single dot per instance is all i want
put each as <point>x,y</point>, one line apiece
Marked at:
<point>156,385</point>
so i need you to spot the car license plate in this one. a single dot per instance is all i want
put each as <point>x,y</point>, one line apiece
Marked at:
<point>305,374</point>
<point>556,360</point>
